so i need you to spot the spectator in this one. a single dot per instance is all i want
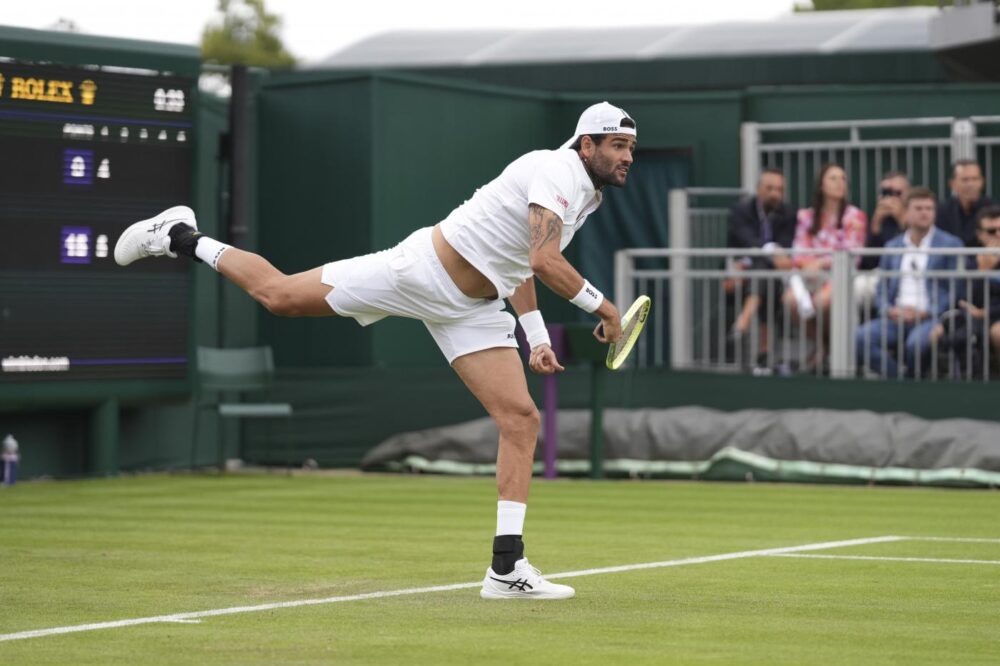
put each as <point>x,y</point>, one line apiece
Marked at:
<point>908,302</point>
<point>978,318</point>
<point>832,223</point>
<point>763,221</point>
<point>957,214</point>
<point>885,222</point>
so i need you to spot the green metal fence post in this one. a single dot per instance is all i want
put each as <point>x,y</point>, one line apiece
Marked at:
<point>103,459</point>
<point>597,373</point>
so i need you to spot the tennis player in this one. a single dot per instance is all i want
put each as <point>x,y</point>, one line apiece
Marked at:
<point>454,277</point>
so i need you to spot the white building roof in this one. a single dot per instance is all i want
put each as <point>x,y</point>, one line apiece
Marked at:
<point>900,29</point>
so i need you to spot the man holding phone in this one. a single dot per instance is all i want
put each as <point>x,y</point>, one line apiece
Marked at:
<point>886,221</point>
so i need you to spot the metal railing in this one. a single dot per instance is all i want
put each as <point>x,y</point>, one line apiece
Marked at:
<point>924,148</point>
<point>703,215</point>
<point>692,323</point>
<point>987,148</point>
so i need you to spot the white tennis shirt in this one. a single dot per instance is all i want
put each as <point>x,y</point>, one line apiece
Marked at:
<point>490,230</point>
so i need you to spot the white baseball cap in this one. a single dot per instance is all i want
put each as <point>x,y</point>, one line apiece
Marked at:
<point>603,118</point>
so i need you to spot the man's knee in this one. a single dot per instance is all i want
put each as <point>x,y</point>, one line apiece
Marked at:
<point>277,296</point>
<point>918,341</point>
<point>519,421</point>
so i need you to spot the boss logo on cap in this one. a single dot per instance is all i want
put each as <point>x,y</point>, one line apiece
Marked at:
<point>610,129</point>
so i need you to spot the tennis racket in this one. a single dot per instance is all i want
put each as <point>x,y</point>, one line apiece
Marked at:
<point>632,325</point>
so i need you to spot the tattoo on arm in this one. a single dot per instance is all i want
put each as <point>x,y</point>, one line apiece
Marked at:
<point>544,225</point>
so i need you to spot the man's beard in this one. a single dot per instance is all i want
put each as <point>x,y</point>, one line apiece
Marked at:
<point>603,173</point>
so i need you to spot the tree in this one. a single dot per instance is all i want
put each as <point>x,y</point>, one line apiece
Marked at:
<point>246,35</point>
<point>831,5</point>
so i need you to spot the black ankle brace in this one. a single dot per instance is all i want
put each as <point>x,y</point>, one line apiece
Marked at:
<point>507,549</point>
<point>183,239</point>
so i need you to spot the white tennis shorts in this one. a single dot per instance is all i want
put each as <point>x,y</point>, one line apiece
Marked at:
<point>409,281</point>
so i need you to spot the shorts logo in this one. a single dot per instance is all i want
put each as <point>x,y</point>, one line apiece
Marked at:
<point>562,201</point>
<point>510,336</point>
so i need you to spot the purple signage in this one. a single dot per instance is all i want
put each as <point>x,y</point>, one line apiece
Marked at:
<point>75,245</point>
<point>78,167</point>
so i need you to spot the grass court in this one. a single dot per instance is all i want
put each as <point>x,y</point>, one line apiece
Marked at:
<point>192,569</point>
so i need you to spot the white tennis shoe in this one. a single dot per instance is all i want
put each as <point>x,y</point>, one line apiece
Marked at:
<point>150,238</point>
<point>524,582</point>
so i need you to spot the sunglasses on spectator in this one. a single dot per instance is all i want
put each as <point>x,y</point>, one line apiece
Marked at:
<point>991,232</point>
<point>889,192</point>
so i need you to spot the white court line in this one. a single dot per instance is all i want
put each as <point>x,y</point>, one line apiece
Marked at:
<point>935,560</point>
<point>953,539</point>
<point>184,617</point>
<point>727,556</point>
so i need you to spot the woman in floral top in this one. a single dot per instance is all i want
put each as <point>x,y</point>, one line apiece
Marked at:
<point>831,223</point>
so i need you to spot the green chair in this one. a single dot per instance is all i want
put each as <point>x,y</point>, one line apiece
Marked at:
<point>223,372</point>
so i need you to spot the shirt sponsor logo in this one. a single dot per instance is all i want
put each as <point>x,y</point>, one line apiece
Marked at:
<point>562,201</point>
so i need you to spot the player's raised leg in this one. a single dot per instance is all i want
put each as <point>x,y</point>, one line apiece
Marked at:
<point>496,378</point>
<point>298,295</point>
<point>175,232</point>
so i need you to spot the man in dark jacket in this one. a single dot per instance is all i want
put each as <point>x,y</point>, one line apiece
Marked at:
<point>762,221</point>
<point>885,222</point>
<point>966,330</point>
<point>957,214</point>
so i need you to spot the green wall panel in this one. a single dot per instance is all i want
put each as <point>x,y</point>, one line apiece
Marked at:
<point>314,198</point>
<point>707,73</point>
<point>52,442</point>
<point>869,102</point>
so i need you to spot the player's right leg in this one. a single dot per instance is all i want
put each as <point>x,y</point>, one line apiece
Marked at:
<point>175,232</point>
<point>298,295</point>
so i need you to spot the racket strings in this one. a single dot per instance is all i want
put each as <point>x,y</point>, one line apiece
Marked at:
<point>635,320</point>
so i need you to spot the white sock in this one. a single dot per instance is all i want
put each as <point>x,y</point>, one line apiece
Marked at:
<point>510,517</point>
<point>210,250</point>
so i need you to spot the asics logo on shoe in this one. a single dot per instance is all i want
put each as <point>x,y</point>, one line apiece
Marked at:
<point>159,225</point>
<point>515,584</point>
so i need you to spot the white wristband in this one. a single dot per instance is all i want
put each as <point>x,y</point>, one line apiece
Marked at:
<point>589,298</point>
<point>534,329</point>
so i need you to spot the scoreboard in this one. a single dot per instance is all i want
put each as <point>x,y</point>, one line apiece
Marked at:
<point>85,152</point>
